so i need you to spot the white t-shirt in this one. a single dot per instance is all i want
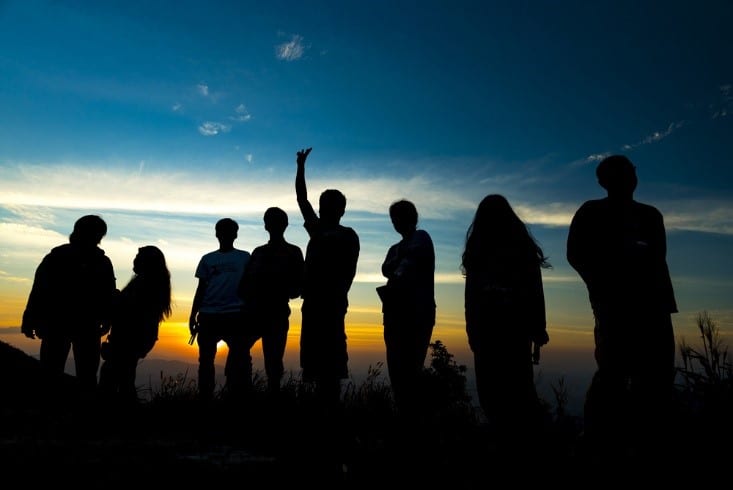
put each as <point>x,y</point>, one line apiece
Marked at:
<point>222,271</point>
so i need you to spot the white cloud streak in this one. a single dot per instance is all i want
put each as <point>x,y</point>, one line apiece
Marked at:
<point>69,187</point>
<point>291,50</point>
<point>655,136</point>
<point>212,128</point>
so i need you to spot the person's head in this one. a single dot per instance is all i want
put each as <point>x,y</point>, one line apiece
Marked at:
<point>226,230</point>
<point>496,227</point>
<point>88,231</point>
<point>494,213</point>
<point>331,205</point>
<point>617,175</point>
<point>149,260</point>
<point>150,267</point>
<point>403,214</point>
<point>276,220</point>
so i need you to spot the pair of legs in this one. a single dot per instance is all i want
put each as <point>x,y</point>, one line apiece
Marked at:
<point>274,339</point>
<point>84,343</point>
<point>630,397</point>
<point>505,386</point>
<point>117,377</point>
<point>323,354</point>
<point>406,342</point>
<point>233,330</point>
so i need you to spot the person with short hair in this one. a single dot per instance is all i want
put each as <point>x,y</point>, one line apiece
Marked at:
<point>70,302</point>
<point>216,315</point>
<point>273,276</point>
<point>618,246</point>
<point>330,266</point>
<point>408,310</point>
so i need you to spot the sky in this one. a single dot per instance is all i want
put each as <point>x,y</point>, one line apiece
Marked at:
<point>163,117</point>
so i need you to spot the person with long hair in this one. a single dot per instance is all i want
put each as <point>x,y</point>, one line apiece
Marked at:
<point>505,315</point>
<point>140,308</point>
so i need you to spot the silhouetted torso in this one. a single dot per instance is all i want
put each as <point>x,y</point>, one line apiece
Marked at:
<point>619,249</point>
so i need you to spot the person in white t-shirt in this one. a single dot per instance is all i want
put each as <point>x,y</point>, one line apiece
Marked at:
<point>216,315</point>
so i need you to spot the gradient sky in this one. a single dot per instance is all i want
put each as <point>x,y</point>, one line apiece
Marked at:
<point>163,117</point>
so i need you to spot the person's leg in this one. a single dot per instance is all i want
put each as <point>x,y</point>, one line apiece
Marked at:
<point>652,382</point>
<point>606,409</point>
<point>238,366</point>
<point>207,338</point>
<point>108,378</point>
<point>86,348</point>
<point>128,372</point>
<point>54,352</point>
<point>274,340</point>
<point>396,362</point>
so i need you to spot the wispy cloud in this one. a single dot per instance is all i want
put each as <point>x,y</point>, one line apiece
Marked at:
<point>212,128</point>
<point>177,107</point>
<point>203,89</point>
<point>722,108</point>
<point>655,136</point>
<point>701,215</point>
<point>242,114</point>
<point>291,50</point>
<point>649,139</point>
<point>183,193</point>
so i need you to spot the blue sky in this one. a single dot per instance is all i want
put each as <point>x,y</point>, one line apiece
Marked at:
<point>165,116</point>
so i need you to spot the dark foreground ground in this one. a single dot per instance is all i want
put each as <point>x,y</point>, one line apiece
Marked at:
<point>176,441</point>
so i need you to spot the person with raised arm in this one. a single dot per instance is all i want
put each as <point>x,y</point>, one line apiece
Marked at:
<point>330,266</point>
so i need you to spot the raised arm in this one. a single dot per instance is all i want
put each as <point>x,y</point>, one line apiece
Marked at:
<point>301,192</point>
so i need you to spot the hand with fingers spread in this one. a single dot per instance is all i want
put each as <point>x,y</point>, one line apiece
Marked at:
<point>302,155</point>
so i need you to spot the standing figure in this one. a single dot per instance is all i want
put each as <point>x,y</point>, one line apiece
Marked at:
<point>70,301</point>
<point>330,265</point>
<point>505,316</point>
<point>216,315</point>
<point>409,306</point>
<point>273,277</point>
<point>140,307</point>
<point>618,246</point>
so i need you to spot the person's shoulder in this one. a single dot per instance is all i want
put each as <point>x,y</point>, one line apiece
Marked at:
<point>647,209</point>
<point>62,249</point>
<point>259,249</point>
<point>242,253</point>
<point>422,234</point>
<point>348,230</point>
<point>591,206</point>
<point>594,203</point>
<point>293,248</point>
<point>210,254</point>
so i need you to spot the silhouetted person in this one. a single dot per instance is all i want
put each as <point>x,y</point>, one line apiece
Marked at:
<point>273,276</point>
<point>216,315</point>
<point>505,317</point>
<point>330,265</point>
<point>618,246</point>
<point>140,307</point>
<point>69,304</point>
<point>409,307</point>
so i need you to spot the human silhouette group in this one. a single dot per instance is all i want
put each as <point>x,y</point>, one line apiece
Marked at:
<point>616,244</point>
